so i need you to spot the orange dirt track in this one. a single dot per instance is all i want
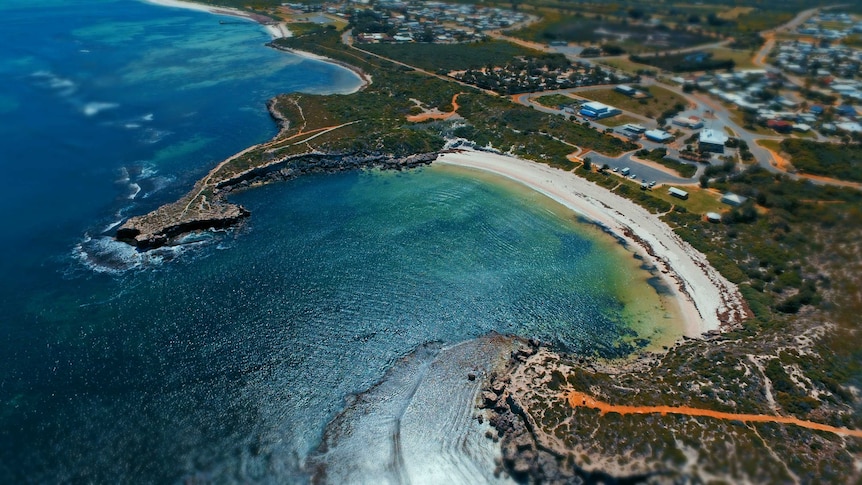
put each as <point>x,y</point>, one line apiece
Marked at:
<point>436,116</point>
<point>579,399</point>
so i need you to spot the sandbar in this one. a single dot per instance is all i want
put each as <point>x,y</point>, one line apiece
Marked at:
<point>708,301</point>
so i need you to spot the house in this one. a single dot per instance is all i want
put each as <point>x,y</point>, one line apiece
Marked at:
<point>850,126</point>
<point>713,141</point>
<point>627,90</point>
<point>691,122</point>
<point>598,110</point>
<point>658,136</point>
<point>780,126</point>
<point>636,129</point>
<point>846,110</point>
<point>816,110</point>
<point>735,200</point>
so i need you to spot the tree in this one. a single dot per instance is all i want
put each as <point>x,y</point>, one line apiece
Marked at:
<point>588,164</point>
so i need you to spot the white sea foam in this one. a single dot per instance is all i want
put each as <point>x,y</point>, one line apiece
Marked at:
<point>65,87</point>
<point>96,107</point>
<point>135,190</point>
<point>148,170</point>
<point>104,254</point>
<point>153,136</point>
<point>147,117</point>
<point>132,126</point>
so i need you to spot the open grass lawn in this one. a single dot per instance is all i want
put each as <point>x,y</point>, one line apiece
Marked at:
<point>661,100</point>
<point>735,13</point>
<point>626,65</point>
<point>741,59</point>
<point>555,100</point>
<point>620,120</point>
<point>759,20</point>
<point>773,145</point>
<point>699,201</point>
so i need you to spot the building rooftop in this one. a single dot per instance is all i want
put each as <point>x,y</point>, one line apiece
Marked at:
<point>712,136</point>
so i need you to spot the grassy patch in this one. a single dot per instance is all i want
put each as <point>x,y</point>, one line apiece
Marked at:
<point>742,59</point>
<point>626,65</point>
<point>619,120</point>
<point>661,100</point>
<point>686,62</point>
<point>735,13</point>
<point>555,100</point>
<point>452,57</point>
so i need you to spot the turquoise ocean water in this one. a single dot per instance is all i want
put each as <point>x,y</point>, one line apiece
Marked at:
<point>226,359</point>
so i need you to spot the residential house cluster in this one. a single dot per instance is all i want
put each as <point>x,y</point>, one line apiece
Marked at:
<point>755,92</point>
<point>533,75</point>
<point>809,59</point>
<point>438,22</point>
<point>830,26</point>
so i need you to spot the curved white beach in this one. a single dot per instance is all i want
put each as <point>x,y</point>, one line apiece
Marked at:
<point>707,299</point>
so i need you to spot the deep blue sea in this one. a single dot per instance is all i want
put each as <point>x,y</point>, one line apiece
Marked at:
<point>225,359</point>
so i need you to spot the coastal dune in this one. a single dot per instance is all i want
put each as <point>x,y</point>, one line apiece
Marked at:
<point>708,300</point>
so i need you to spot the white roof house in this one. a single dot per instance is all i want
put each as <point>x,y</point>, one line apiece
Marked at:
<point>660,136</point>
<point>712,136</point>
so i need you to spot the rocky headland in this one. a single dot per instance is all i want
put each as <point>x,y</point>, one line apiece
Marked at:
<point>206,207</point>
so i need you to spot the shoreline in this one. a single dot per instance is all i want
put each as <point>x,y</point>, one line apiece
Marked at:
<point>708,301</point>
<point>276,29</point>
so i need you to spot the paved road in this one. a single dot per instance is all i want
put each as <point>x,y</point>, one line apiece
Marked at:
<point>702,105</point>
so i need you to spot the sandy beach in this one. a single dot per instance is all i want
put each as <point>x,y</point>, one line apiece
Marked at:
<point>708,300</point>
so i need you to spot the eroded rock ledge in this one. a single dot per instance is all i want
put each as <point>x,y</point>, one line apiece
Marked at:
<point>530,454</point>
<point>206,207</point>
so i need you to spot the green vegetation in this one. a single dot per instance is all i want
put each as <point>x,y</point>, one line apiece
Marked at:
<point>742,59</point>
<point>580,28</point>
<point>620,120</point>
<point>685,62</point>
<point>828,159</point>
<point>793,249</point>
<point>555,100</point>
<point>453,57</point>
<point>490,119</point>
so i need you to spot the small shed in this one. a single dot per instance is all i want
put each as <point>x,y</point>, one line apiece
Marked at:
<point>735,200</point>
<point>678,193</point>
<point>713,217</point>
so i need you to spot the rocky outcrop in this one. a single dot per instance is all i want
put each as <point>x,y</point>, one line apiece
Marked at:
<point>528,453</point>
<point>205,206</point>
<point>160,227</point>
